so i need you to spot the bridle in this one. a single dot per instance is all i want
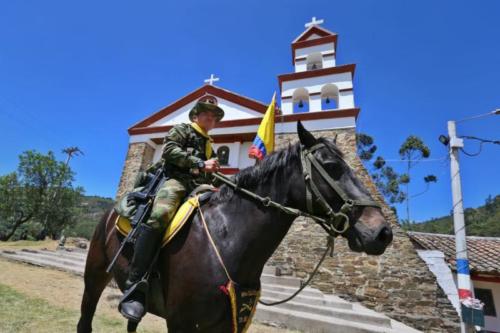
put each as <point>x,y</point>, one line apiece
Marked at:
<point>333,222</point>
<point>337,222</point>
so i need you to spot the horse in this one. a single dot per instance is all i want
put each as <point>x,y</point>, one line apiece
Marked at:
<point>246,233</point>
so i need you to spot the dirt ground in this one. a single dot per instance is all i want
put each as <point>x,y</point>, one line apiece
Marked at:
<point>65,290</point>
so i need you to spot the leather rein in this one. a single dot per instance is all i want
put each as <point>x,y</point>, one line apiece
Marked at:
<point>333,222</point>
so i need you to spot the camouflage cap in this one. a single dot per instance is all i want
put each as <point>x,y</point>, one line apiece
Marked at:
<point>206,107</point>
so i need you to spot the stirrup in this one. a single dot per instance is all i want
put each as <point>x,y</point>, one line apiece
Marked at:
<point>141,286</point>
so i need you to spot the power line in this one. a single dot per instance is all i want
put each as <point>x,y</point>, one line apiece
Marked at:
<point>481,142</point>
<point>444,158</point>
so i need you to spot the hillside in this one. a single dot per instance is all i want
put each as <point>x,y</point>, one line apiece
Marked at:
<point>91,210</point>
<point>481,221</point>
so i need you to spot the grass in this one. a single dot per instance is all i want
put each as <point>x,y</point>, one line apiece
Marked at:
<point>29,314</point>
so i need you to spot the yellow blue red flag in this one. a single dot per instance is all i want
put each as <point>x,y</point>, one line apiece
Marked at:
<point>263,143</point>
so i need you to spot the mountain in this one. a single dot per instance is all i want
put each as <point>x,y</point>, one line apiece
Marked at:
<point>91,209</point>
<point>481,221</point>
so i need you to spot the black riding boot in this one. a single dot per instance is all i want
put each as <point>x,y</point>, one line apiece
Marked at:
<point>133,303</point>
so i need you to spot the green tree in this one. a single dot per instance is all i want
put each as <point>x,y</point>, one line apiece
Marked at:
<point>40,192</point>
<point>413,150</point>
<point>385,177</point>
<point>366,147</point>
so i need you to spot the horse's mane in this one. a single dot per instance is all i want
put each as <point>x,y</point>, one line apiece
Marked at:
<point>260,173</point>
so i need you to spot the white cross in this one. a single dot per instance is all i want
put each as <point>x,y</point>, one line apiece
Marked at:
<point>212,79</point>
<point>313,22</point>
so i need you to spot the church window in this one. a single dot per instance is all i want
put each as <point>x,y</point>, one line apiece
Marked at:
<point>329,97</point>
<point>314,61</point>
<point>300,100</point>
<point>223,155</point>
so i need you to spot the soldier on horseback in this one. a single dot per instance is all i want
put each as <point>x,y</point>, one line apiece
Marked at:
<point>188,160</point>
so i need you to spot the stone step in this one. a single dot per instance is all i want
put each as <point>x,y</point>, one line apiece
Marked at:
<point>307,291</point>
<point>311,300</point>
<point>52,257</point>
<point>68,254</point>
<point>280,280</point>
<point>327,311</point>
<point>18,256</point>
<point>271,270</point>
<point>315,323</point>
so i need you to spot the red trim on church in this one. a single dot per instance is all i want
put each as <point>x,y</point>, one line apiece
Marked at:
<point>218,138</point>
<point>328,114</point>
<point>317,72</point>
<point>314,42</point>
<point>302,42</point>
<point>315,29</point>
<point>198,93</point>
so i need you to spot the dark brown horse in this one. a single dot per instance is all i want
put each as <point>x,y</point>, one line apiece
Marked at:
<point>246,232</point>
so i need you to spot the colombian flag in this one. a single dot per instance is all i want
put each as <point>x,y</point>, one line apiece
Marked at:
<point>263,143</point>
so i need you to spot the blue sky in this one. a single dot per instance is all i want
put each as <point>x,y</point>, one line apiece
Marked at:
<point>80,73</point>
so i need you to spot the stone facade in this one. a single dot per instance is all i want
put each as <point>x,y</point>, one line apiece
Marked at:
<point>397,283</point>
<point>139,156</point>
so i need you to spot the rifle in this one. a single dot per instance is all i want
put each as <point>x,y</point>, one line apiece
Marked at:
<point>144,199</point>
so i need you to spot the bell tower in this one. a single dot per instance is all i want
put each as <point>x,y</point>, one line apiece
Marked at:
<point>317,84</point>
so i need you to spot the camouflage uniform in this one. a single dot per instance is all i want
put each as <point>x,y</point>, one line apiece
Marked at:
<point>183,151</point>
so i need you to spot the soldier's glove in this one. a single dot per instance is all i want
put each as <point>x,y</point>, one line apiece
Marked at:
<point>136,198</point>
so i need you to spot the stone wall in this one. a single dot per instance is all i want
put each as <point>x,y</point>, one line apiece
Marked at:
<point>397,283</point>
<point>139,156</point>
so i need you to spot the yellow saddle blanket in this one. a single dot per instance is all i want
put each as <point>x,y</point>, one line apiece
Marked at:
<point>183,214</point>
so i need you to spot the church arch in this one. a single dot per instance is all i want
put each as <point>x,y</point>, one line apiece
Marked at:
<point>329,97</point>
<point>314,61</point>
<point>300,100</point>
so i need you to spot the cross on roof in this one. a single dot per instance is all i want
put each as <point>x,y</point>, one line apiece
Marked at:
<point>212,79</point>
<point>313,22</point>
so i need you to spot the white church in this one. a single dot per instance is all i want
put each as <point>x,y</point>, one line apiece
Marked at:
<point>318,92</point>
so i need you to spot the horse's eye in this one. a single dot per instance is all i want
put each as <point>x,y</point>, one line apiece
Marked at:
<point>334,168</point>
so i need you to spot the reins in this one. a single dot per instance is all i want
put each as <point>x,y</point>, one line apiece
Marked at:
<point>335,223</point>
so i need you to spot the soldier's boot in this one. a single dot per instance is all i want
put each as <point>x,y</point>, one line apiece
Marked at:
<point>133,304</point>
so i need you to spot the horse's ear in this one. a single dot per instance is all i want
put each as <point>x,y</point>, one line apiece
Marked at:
<point>335,139</point>
<point>306,138</point>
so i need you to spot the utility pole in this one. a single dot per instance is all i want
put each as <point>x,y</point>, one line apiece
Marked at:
<point>462,263</point>
<point>463,273</point>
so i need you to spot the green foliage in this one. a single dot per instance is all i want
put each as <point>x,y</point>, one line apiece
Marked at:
<point>91,209</point>
<point>481,221</point>
<point>414,149</point>
<point>39,195</point>
<point>386,178</point>
<point>365,146</point>
<point>387,181</point>
<point>379,163</point>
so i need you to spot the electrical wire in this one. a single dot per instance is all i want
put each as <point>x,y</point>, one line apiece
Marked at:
<point>481,142</point>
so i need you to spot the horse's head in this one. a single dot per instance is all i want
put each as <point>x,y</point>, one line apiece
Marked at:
<point>336,193</point>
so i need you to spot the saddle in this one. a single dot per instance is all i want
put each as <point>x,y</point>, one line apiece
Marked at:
<point>195,199</point>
